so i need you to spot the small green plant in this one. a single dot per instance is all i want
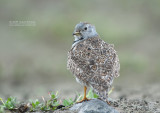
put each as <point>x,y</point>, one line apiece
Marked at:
<point>2,108</point>
<point>35,105</point>
<point>111,91</point>
<point>10,103</point>
<point>45,107</point>
<point>50,104</point>
<point>68,102</point>
<point>53,96</point>
<point>78,97</point>
<point>91,94</point>
<point>2,101</point>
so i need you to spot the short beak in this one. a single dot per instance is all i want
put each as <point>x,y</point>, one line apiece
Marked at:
<point>76,33</point>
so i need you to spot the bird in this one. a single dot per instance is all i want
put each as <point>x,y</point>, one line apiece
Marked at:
<point>92,61</point>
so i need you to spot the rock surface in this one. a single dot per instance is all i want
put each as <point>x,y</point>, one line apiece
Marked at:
<point>93,106</point>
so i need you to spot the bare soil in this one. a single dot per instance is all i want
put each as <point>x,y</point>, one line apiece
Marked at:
<point>144,99</point>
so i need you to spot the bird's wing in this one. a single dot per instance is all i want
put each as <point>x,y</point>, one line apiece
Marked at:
<point>96,60</point>
<point>95,63</point>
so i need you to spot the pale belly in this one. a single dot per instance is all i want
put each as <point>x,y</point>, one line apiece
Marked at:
<point>82,82</point>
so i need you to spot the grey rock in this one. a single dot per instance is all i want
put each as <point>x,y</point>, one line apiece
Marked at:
<point>93,106</point>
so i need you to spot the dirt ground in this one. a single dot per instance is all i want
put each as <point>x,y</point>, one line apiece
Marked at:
<point>140,99</point>
<point>144,99</point>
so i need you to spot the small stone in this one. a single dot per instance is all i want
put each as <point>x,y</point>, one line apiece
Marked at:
<point>60,106</point>
<point>93,106</point>
<point>23,108</point>
<point>115,104</point>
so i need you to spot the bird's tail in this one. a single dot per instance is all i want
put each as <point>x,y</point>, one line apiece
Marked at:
<point>102,92</point>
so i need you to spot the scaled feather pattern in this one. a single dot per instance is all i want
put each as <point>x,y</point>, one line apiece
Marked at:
<point>94,63</point>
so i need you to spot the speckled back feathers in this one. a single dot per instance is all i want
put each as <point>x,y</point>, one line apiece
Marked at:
<point>94,63</point>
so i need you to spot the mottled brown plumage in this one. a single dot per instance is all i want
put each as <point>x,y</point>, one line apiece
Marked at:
<point>94,63</point>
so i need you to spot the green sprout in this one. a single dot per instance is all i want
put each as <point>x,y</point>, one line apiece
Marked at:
<point>111,91</point>
<point>50,104</point>
<point>78,97</point>
<point>45,107</point>
<point>68,102</point>
<point>91,94</point>
<point>2,106</point>
<point>35,105</point>
<point>10,103</point>
<point>53,96</point>
<point>2,101</point>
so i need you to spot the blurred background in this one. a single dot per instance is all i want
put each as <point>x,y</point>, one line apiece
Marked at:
<point>33,57</point>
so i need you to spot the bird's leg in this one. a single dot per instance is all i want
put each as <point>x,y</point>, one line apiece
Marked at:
<point>108,102</point>
<point>84,98</point>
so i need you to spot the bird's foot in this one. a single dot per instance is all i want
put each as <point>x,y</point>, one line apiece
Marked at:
<point>108,102</point>
<point>84,99</point>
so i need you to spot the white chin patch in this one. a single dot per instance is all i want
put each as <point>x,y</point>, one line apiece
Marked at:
<point>77,37</point>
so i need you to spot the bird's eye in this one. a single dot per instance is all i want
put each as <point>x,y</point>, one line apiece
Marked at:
<point>85,28</point>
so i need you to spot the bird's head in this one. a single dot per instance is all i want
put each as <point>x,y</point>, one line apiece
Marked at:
<point>84,30</point>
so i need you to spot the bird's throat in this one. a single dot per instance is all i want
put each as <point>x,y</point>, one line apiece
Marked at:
<point>77,40</point>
